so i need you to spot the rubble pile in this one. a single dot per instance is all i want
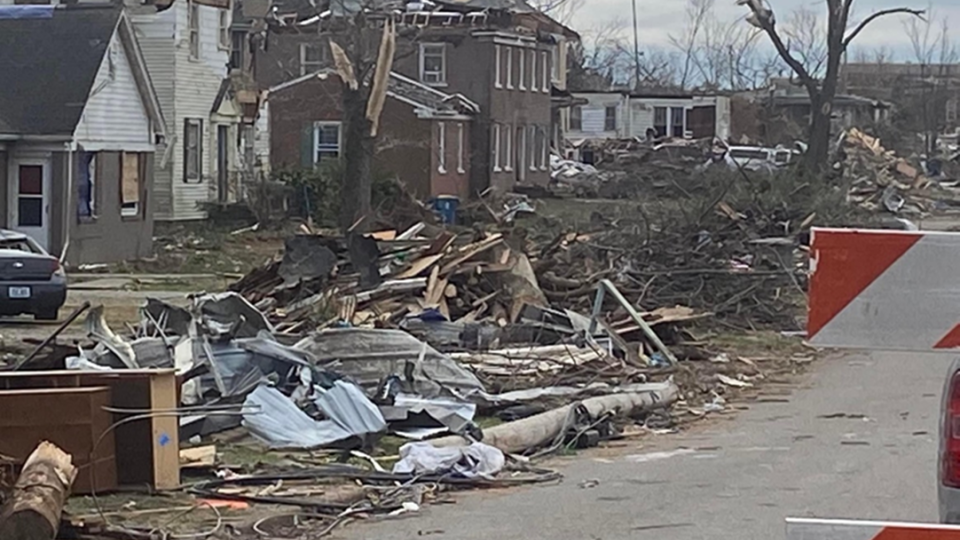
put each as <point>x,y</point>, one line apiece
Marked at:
<point>881,180</point>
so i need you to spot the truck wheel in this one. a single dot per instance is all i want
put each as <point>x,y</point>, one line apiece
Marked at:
<point>47,315</point>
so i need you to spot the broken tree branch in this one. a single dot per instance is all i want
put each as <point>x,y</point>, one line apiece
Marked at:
<point>882,13</point>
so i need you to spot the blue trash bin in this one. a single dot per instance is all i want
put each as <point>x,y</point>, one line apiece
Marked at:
<point>446,206</point>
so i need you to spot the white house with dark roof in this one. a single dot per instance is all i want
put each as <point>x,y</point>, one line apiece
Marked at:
<point>79,127</point>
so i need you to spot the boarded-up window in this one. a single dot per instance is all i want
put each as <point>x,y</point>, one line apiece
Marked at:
<point>130,178</point>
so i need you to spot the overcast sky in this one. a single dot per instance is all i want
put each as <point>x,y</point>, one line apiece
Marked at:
<point>659,18</point>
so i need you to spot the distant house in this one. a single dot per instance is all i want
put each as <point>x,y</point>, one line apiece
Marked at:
<point>79,125</point>
<point>424,135</point>
<point>187,46</point>
<point>500,56</point>
<point>780,113</point>
<point>622,115</point>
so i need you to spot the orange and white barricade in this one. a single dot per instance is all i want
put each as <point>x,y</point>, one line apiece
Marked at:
<point>886,290</point>
<point>828,529</point>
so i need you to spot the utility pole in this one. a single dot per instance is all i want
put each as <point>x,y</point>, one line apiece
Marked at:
<point>636,50</point>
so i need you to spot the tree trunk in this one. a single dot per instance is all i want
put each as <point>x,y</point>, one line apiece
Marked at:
<point>821,102</point>
<point>357,180</point>
<point>33,511</point>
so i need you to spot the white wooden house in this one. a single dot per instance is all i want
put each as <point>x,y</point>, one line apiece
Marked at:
<point>187,50</point>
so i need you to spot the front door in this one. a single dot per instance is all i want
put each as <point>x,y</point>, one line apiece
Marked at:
<point>223,186</point>
<point>30,199</point>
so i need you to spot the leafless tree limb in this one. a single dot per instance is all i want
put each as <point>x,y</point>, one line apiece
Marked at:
<point>874,16</point>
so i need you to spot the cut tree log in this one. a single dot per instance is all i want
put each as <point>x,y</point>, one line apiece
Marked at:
<point>33,511</point>
<point>542,429</point>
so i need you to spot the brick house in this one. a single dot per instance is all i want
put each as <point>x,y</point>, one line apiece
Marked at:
<point>500,59</point>
<point>424,137</point>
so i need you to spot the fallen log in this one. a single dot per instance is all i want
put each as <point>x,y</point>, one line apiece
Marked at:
<point>541,429</point>
<point>33,511</point>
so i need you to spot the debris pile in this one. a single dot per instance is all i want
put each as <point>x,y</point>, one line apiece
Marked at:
<point>880,180</point>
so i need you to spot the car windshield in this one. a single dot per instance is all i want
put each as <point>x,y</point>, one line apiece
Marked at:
<point>748,154</point>
<point>20,244</point>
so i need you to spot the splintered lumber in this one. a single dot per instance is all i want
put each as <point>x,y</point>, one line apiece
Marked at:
<point>542,429</point>
<point>33,512</point>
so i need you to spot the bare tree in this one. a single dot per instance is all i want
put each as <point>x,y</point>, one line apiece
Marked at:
<point>807,39</point>
<point>562,11</point>
<point>363,65</point>
<point>822,91</point>
<point>600,59</point>
<point>933,51</point>
<point>699,14</point>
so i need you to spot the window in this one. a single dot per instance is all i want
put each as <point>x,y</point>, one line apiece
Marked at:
<point>442,148</point>
<point>326,139</point>
<point>238,49</point>
<point>543,149</point>
<point>130,167</point>
<point>498,80</point>
<point>610,118</point>
<point>192,150</point>
<point>545,69</point>
<point>508,148</point>
<point>522,152</point>
<point>224,27</point>
<point>555,62</point>
<point>576,118</point>
<point>433,63</point>
<point>87,184</point>
<point>660,121</point>
<point>460,168</point>
<point>952,110</point>
<point>533,70</point>
<point>311,58</point>
<point>193,27</point>
<point>496,148</point>
<point>532,159</point>
<point>677,118</point>
<point>520,79</point>
<point>508,65</point>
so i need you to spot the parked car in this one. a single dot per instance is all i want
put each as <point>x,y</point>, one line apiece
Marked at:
<point>31,280</point>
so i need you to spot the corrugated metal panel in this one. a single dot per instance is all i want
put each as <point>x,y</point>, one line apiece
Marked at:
<point>114,112</point>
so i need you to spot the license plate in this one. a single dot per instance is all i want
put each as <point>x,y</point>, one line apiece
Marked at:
<point>18,292</point>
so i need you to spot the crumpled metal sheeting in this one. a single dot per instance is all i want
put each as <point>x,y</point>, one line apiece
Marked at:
<point>279,423</point>
<point>107,340</point>
<point>475,461</point>
<point>369,355</point>
<point>230,314</point>
<point>406,415</point>
<point>237,366</point>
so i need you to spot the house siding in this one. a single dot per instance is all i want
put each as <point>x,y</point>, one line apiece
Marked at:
<point>110,237</point>
<point>155,33</point>
<point>636,114</point>
<point>114,116</point>
<point>187,88</point>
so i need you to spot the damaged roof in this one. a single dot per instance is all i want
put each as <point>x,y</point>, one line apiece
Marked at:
<point>50,59</point>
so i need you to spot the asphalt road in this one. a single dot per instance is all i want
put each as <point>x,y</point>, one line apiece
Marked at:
<point>734,478</point>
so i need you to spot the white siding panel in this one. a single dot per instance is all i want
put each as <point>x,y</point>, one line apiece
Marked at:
<point>155,34</point>
<point>114,116</point>
<point>197,84</point>
<point>261,146</point>
<point>642,120</point>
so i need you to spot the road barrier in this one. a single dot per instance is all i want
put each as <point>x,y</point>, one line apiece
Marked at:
<point>835,529</point>
<point>882,289</point>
